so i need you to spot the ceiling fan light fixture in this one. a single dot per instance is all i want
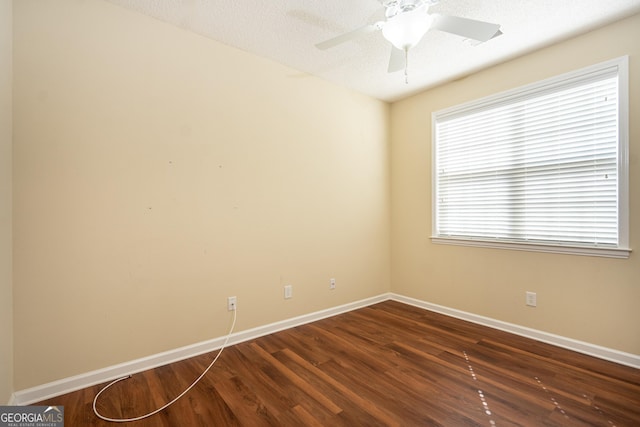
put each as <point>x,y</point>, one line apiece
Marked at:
<point>406,29</point>
<point>406,23</point>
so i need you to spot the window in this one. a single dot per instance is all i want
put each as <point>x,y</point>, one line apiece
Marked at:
<point>542,168</point>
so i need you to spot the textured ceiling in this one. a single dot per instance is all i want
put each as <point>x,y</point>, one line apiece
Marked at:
<point>287,30</point>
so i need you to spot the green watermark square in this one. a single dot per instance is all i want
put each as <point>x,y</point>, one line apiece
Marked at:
<point>31,416</point>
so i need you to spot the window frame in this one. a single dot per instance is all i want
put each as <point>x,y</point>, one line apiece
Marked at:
<point>558,82</point>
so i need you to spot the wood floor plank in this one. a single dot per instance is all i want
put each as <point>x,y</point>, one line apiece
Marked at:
<point>294,379</point>
<point>389,364</point>
<point>344,390</point>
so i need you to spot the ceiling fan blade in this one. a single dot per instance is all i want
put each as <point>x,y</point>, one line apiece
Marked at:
<point>470,28</point>
<point>343,38</point>
<point>397,61</point>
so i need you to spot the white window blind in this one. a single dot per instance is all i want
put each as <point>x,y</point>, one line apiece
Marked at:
<point>541,165</point>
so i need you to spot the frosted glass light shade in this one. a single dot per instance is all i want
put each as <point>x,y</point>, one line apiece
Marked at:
<point>406,29</point>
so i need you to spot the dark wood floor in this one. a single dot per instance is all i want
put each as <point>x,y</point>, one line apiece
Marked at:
<point>385,365</point>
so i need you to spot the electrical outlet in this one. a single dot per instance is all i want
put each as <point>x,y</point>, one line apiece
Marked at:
<point>232,303</point>
<point>531,299</point>
<point>332,283</point>
<point>288,291</point>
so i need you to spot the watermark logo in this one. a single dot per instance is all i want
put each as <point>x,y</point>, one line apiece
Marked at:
<point>31,416</point>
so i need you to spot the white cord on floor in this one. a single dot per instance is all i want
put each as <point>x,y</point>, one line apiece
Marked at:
<point>124,420</point>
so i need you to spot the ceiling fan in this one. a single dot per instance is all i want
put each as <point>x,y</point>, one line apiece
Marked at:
<point>406,23</point>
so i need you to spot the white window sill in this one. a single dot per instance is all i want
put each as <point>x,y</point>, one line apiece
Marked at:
<point>607,252</point>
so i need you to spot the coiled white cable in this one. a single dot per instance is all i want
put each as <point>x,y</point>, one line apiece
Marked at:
<point>125,420</point>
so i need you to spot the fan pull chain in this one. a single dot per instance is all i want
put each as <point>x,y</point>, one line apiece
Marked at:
<point>406,65</point>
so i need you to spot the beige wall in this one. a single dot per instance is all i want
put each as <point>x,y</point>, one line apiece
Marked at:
<point>585,298</point>
<point>157,172</point>
<point>6,289</point>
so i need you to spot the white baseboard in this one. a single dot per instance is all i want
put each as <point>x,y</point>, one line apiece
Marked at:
<point>77,382</point>
<point>605,353</point>
<point>67,385</point>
